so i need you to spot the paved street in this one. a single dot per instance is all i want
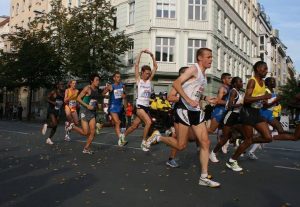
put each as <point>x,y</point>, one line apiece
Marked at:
<point>35,174</point>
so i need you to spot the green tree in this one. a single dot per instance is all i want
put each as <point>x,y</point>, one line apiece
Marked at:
<point>35,63</point>
<point>85,37</point>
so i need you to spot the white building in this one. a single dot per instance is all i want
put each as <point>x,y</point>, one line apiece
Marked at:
<point>4,30</point>
<point>175,29</point>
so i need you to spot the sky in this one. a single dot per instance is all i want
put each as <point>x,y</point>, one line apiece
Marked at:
<point>284,16</point>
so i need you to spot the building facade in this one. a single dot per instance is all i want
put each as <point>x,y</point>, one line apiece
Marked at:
<point>175,29</point>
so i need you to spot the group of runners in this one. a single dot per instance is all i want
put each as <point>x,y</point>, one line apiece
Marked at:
<point>233,111</point>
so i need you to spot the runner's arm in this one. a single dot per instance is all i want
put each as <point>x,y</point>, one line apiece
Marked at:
<point>155,66</point>
<point>221,93</point>
<point>189,73</point>
<point>172,96</point>
<point>51,95</point>
<point>248,95</point>
<point>136,66</point>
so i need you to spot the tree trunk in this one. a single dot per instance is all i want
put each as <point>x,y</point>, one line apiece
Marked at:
<point>29,104</point>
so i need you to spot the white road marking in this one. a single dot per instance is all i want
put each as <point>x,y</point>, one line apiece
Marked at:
<point>283,149</point>
<point>289,168</point>
<point>100,143</point>
<point>18,132</point>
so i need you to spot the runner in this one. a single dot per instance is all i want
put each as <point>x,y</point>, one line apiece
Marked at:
<point>115,107</point>
<point>174,97</point>
<point>88,99</point>
<point>71,107</point>
<point>55,102</point>
<point>143,95</point>
<point>190,85</point>
<point>250,116</point>
<point>232,117</point>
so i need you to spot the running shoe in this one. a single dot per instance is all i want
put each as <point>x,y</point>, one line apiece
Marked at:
<point>66,125</point>
<point>225,147</point>
<point>172,163</point>
<point>168,132</point>
<point>49,141</point>
<point>153,138</point>
<point>233,164</point>
<point>213,157</point>
<point>87,151</point>
<point>252,156</point>
<point>122,142</point>
<point>70,127</point>
<point>67,137</point>
<point>144,146</point>
<point>208,182</point>
<point>44,129</point>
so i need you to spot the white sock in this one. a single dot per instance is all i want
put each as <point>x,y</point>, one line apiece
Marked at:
<point>158,138</point>
<point>231,160</point>
<point>253,148</point>
<point>204,175</point>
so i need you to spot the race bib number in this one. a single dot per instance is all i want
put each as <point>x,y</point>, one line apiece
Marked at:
<point>146,94</point>
<point>58,104</point>
<point>118,93</point>
<point>73,105</point>
<point>93,102</point>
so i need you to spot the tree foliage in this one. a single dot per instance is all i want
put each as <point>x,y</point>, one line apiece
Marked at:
<point>289,91</point>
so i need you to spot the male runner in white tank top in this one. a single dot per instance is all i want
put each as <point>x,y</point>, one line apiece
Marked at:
<point>144,89</point>
<point>190,85</point>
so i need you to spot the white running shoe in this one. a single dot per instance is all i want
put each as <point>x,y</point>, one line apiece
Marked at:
<point>67,137</point>
<point>213,157</point>
<point>233,164</point>
<point>252,156</point>
<point>70,127</point>
<point>225,147</point>
<point>144,146</point>
<point>44,129</point>
<point>49,141</point>
<point>87,151</point>
<point>209,183</point>
<point>153,138</point>
<point>66,125</point>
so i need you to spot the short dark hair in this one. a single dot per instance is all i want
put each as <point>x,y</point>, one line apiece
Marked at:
<point>116,73</point>
<point>224,75</point>
<point>201,50</point>
<point>234,81</point>
<point>268,81</point>
<point>93,76</point>
<point>258,64</point>
<point>182,70</point>
<point>145,67</point>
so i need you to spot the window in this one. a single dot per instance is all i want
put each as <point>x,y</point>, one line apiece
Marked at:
<point>231,31</point>
<point>241,9</point>
<point>230,65</point>
<point>219,58</point>
<point>69,3</point>
<point>193,46</point>
<point>131,54</point>
<point>165,8</point>
<point>225,62</point>
<point>17,9</point>
<point>165,48</point>
<point>197,10</point>
<point>261,42</point>
<point>236,36</point>
<point>226,27</point>
<point>220,20</point>
<point>131,12</point>
<point>78,3</point>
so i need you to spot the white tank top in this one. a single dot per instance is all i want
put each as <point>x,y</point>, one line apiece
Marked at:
<point>194,88</point>
<point>143,92</point>
<point>239,100</point>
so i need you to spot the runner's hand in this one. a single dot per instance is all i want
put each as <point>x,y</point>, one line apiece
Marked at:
<point>211,100</point>
<point>267,96</point>
<point>192,103</point>
<point>89,107</point>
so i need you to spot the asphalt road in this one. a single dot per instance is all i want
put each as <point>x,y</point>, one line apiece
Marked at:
<point>35,174</point>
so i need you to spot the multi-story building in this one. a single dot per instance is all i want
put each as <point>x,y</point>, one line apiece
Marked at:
<point>4,30</point>
<point>175,29</point>
<point>273,51</point>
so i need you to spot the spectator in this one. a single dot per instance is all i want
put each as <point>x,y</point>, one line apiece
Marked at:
<point>1,112</point>
<point>20,111</point>
<point>129,112</point>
